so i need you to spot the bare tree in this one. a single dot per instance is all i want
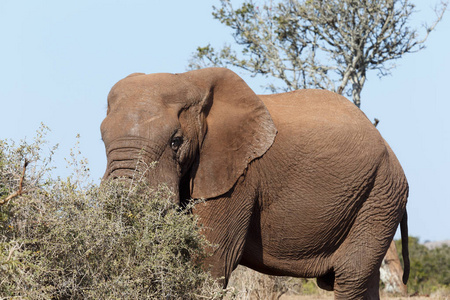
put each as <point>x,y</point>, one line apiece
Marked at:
<point>328,44</point>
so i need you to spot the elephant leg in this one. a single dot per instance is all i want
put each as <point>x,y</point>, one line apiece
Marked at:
<point>358,259</point>
<point>357,270</point>
<point>225,226</point>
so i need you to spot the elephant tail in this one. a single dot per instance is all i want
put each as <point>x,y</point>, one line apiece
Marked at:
<point>405,252</point>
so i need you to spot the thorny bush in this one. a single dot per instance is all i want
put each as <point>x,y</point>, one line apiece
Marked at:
<point>72,239</point>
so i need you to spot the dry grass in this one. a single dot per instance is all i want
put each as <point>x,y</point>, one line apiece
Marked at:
<point>246,284</point>
<point>296,297</point>
<point>313,297</point>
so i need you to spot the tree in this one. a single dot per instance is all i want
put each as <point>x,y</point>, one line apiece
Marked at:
<point>328,44</point>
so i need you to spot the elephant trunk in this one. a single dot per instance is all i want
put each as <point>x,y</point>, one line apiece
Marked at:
<point>126,162</point>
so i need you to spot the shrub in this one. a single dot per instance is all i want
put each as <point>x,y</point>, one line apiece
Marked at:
<point>72,239</point>
<point>430,268</point>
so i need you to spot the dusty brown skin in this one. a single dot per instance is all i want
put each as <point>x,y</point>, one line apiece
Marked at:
<point>298,184</point>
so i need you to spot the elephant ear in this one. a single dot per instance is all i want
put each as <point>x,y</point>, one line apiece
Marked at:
<point>236,128</point>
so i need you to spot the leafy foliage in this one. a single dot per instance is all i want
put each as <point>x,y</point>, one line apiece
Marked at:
<point>72,239</point>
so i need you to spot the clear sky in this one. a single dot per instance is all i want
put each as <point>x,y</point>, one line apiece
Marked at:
<point>58,60</point>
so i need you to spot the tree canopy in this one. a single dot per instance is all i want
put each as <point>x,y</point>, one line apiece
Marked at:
<point>317,44</point>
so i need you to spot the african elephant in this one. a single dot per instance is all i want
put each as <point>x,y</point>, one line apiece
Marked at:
<point>298,184</point>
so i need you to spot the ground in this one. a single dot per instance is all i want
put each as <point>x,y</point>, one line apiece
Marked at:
<point>330,297</point>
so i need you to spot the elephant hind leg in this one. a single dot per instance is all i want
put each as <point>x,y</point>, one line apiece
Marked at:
<point>358,286</point>
<point>357,261</point>
<point>326,282</point>
<point>357,273</point>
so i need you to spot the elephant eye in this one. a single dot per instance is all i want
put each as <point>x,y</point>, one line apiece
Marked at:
<point>176,143</point>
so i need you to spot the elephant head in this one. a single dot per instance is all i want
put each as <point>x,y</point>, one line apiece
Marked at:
<point>202,128</point>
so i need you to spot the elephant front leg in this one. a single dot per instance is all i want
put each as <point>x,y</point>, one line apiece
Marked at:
<point>225,224</point>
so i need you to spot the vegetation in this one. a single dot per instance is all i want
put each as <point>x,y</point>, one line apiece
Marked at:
<point>430,268</point>
<point>248,284</point>
<point>72,239</point>
<point>329,44</point>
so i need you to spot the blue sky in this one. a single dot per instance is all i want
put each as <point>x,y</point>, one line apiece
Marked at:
<point>59,59</point>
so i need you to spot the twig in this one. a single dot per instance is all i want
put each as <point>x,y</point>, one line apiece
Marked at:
<point>20,191</point>
<point>11,251</point>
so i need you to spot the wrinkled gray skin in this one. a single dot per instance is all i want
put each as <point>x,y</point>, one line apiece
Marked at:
<point>298,184</point>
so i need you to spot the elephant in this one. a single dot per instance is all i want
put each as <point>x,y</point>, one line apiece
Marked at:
<point>294,184</point>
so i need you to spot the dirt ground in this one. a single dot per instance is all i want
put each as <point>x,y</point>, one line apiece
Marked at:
<point>330,297</point>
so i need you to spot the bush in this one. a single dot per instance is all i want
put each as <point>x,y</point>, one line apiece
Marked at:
<point>430,268</point>
<point>72,239</point>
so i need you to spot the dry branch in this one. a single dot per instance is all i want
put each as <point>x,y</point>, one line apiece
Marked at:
<point>20,191</point>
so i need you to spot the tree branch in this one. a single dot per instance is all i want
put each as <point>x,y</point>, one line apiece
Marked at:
<point>20,191</point>
<point>318,44</point>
